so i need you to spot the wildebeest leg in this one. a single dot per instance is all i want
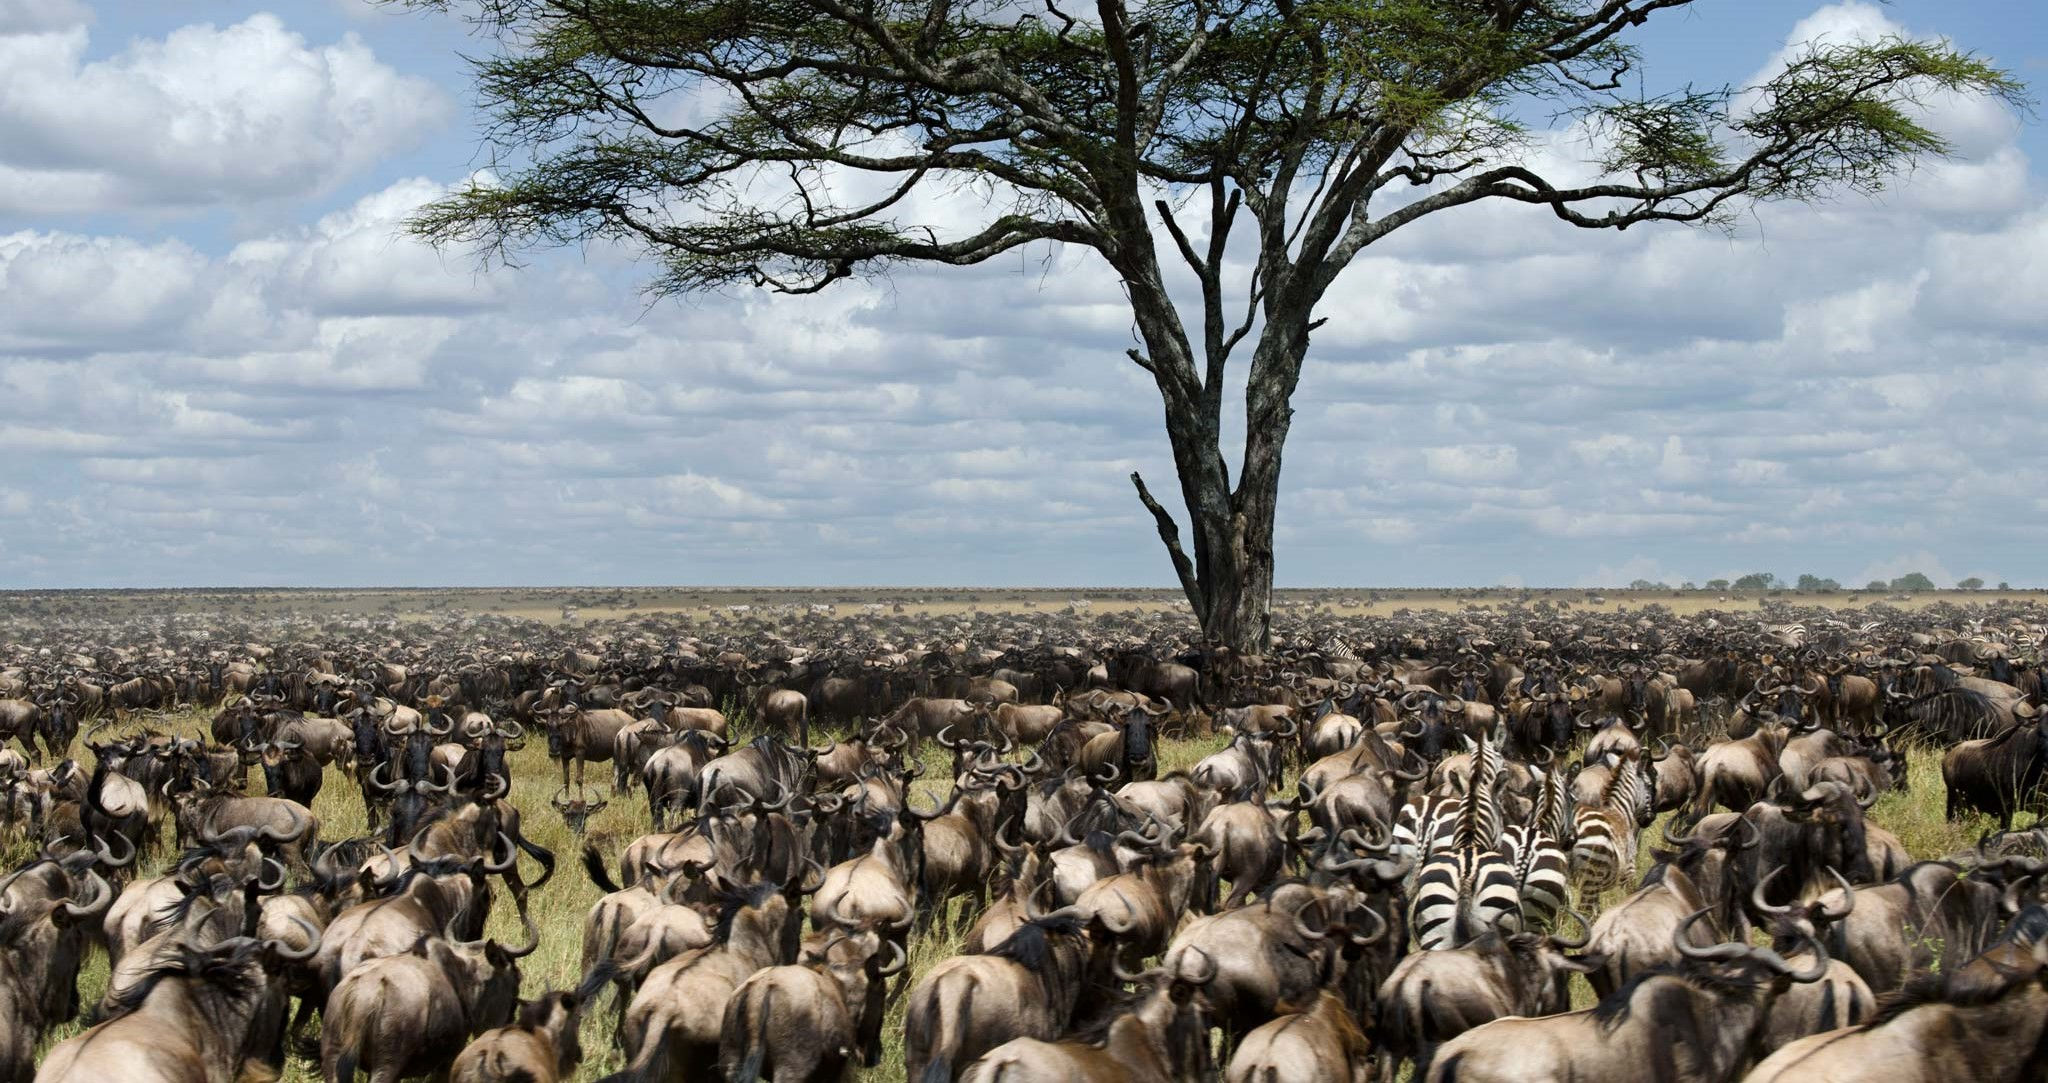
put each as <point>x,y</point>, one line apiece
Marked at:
<point>306,1045</point>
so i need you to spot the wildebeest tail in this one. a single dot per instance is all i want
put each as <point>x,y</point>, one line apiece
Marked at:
<point>754,1047</point>
<point>946,1043</point>
<point>593,863</point>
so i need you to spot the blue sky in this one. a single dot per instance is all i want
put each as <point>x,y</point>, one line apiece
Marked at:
<point>219,364</point>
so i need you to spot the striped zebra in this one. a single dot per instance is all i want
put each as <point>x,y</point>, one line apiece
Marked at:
<point>1542,867</point>
<point>1460,894</point>
<point>1554,808</point>
<point>1424,826</point>
<point>1479,812</point>
<point>1605,849</point>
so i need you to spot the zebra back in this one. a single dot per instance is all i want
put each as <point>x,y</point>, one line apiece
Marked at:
<point>1542,873</point>
<point>1460,894</point>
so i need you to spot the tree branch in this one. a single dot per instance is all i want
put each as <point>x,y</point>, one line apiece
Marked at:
<point>1169,533</point>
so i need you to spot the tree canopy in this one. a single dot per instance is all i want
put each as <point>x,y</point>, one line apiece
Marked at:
<point>1227,159</point>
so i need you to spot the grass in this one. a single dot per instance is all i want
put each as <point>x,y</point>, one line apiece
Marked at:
<point>559,907</point>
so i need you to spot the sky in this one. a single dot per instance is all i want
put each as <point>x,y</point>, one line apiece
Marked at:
<point>221,363</point>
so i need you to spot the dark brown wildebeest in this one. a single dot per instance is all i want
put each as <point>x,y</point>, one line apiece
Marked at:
<point>804,1023</point>
<point>1694,1023</point>
<point>1988,1027</point>
<point>1434,996</point>
<point>411,1014</point>
<point>1162,1038</point>
<point>1028,987</point>
<point>541,1045</point>
<point>1318,1044</point>
<point>190,1019</point>
<point>2000,775</point>
<point>674,1024</point>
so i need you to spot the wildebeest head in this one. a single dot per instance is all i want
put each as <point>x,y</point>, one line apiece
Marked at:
<point>576,811</point>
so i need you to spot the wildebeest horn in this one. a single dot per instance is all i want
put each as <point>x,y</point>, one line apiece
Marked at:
<point>273,884</point>
<point>1191,978</point>
<point>300,821</point>
<point>1563,943</point>
<point>1756,895</point>
<point>102,894</point>
<point>279,949</point>
<point>561,798</point>
<point>940,737</point>
<point>1307,931</point>
<point>476,728</point>
<point>1351,837</point>
<point>890,970</point>
<point>511,856</point>
<point>532,939</point>
<point>1126,927</point>
<point>1116,966</point>
<point>1829,913</point>
<point>106,852</point>
<point>1377,933</point>
<point>1743,952</point>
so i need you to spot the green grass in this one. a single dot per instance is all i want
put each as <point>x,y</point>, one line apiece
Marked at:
<point>560,906</point>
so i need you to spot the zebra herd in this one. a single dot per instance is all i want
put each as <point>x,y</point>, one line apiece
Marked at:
<point>1477,871</point>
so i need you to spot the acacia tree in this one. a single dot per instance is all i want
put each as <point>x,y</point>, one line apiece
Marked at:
<point>1228,159</point>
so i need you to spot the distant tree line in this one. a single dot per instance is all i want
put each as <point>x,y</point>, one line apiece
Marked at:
<point>1811,583</point>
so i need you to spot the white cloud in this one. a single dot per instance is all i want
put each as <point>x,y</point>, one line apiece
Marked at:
<point>1497,397</point>
<point>203,116</point>
<point>42,16</point>
<point>1472,462</point>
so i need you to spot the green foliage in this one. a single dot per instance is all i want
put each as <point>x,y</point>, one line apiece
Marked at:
<point>1757,581</point>
<point>1717,584</point>
<point>1972,583</point>
<point>1809,581</point>
<point>1913,581</point>
<point>1875,584</point>
<point>1067,121</point>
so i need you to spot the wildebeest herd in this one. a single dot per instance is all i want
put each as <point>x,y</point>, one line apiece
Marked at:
<point>1509,843</point>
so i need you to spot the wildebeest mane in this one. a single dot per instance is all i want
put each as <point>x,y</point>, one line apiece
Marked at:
<point>747,896</point>
<point>227,971</point>
<point>1936,987</point>
<point>1031,945</point>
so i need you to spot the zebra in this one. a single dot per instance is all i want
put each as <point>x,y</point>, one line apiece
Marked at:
<point>1605,847</point>
<point>1470,820</point>
<point>1425,825</point>
<point>1460,895</point>
<point>1542,867</point>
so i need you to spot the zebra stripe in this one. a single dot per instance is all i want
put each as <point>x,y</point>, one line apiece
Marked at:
<point>1460,894</point>
<point>1606,845</point>
<point>1479,818</point>
<point>1542,873</point>
<point>1424,826</point>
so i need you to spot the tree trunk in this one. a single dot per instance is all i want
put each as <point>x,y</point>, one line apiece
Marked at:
<point>1229,580</point>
